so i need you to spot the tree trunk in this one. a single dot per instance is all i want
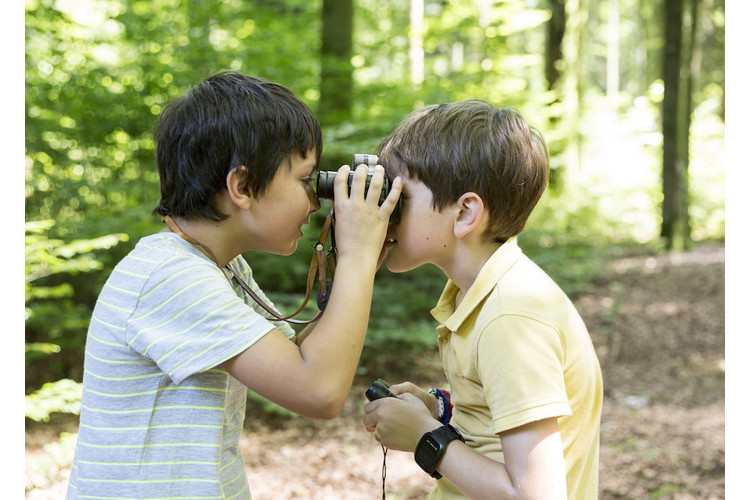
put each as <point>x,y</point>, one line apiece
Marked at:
<point>572,87</point>
<point>336,68</point>
<point>676,128</point>
<point>554,63</point>
<point>555,33</point>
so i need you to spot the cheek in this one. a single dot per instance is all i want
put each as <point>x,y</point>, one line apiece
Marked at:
<point>296,203</point>
<point>416,233</point>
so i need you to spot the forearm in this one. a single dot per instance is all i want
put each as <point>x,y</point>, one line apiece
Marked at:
<point>534,467</point>
<point>331,351</point>
<point>475,475</point>
<point>338,338</point>
<point>313,379</point>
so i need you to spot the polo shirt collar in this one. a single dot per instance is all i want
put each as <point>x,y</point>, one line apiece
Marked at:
<point>489,275</point>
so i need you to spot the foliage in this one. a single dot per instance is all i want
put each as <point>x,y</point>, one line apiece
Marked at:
<point>63,396</point>
<point>55,319</point>
<point>45,256</point>
<point>98,72</point>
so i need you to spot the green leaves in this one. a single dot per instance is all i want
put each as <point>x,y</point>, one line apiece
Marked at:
<point>46,256</point>
<point>62,396</point>
<point>54,319</point>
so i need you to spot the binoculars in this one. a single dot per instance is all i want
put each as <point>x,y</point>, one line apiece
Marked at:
<point>379,389</point>
<point>324,187</point>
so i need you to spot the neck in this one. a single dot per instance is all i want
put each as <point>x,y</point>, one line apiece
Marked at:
<point>468,261</point>
<point>203,235</point>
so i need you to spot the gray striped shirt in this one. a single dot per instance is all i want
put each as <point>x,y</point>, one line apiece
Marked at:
<point>158,419</point>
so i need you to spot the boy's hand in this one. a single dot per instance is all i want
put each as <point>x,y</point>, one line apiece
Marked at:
<point>400,423</point>
<point>360,223</point>
<point>429,400</point>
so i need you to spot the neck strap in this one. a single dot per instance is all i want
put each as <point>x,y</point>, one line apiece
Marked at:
<point>321,261</point>
<point>172,225</point>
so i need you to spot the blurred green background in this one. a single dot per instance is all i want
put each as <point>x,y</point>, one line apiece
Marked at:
<point>628,94</point>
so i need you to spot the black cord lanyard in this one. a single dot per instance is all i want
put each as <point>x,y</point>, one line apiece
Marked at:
<point>385,452</point>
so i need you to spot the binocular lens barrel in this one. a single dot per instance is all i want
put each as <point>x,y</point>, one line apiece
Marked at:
<point>324,188</point>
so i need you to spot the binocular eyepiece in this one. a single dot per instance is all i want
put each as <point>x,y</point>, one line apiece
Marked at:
<point>324,187</point>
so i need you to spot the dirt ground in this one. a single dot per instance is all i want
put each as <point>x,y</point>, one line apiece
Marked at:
<point>657,322</point>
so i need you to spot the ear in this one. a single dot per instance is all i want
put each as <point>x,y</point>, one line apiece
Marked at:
<point>236,187</point>
<point>470,211</point>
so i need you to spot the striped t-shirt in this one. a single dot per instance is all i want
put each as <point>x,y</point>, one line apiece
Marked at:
<point>158,419</point>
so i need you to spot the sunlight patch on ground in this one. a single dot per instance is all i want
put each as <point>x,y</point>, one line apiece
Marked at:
<point>649,264</point>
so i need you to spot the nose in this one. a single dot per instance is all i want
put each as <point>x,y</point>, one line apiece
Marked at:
<point>314,201</point>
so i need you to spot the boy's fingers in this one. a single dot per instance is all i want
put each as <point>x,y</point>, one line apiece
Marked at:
<point>369,422</point>
<point>408,396</point>
<point>402,388</point>
<point>340,191</point>
<point>376,185</point>
<point>390,201</point>
<point>358,182</point>
<point>368,407</point>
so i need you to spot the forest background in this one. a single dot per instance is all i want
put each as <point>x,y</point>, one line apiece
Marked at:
<point>629,94</point>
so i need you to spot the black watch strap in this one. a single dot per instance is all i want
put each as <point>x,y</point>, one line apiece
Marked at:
<point>432,446</point>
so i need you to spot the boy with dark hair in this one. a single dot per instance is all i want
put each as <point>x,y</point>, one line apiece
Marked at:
<point>175,341</point>
<point>522,417</point>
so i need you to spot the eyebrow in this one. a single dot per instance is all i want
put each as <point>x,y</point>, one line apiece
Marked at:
<point>312,170</point>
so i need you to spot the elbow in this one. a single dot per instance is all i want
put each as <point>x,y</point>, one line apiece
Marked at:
<point>330,409</point>
<point>322,412</point>
<point>327,405</point>
<point>328,413</point>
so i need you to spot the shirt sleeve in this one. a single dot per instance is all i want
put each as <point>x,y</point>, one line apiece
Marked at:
<point>189,319</point>
<point>520,362</point>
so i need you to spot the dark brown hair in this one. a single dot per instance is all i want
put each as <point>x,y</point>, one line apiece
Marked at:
<point>472,146</point>
<point>226,121</point>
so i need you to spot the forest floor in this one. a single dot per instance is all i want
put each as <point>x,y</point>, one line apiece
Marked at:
<point>657,322</point>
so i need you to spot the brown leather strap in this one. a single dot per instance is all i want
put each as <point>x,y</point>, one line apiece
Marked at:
<point>172,225</point>
<point>276,316</point>
<point>320,261</point>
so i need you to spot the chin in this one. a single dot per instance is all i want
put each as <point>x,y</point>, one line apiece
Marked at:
<point>285,251</point>
<point>395,266</point>
<point>290,251</point>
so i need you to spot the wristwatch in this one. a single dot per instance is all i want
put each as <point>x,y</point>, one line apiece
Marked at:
<point>432,446</point>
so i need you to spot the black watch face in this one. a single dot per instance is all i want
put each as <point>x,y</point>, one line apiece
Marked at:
<point>426,453</point>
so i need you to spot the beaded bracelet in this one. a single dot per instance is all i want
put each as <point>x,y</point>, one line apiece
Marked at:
<point>440,402</point>
<point>445,408</point>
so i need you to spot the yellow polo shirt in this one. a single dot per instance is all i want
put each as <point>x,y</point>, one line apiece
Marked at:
<point>516,351</point>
